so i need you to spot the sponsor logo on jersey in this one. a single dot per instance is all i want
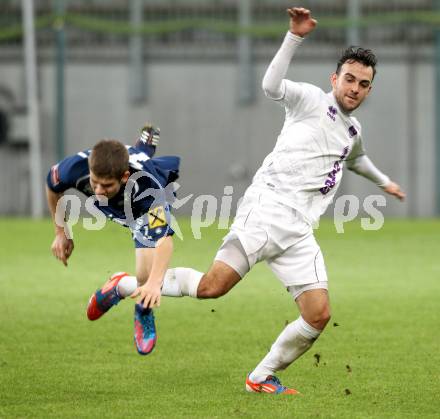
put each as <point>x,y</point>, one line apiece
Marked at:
<point>344,152</point>
<point>157,217</point>
<point>331,113</point>
<point>331,177</point>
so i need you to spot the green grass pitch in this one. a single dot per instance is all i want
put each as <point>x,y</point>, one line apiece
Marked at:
<point>378,358</point>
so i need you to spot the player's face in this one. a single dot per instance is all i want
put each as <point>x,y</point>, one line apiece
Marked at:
<point>352,85</point>
<point>104,187</point>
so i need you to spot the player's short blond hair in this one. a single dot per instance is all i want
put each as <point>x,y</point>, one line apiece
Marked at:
<point>109,159</point>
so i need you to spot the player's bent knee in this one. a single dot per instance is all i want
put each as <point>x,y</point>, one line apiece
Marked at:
<point>325,318</point>
<point>318,318</point>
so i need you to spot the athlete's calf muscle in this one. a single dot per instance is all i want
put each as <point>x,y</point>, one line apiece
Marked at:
<point>217,281</point>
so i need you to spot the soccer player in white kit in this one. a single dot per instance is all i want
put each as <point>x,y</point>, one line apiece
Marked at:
<point>294,185</point>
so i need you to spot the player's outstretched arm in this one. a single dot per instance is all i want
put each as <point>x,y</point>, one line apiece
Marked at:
<point>149,293</point>
<point>301,24</point>
<point>62,247</point>
<point>362,165</point>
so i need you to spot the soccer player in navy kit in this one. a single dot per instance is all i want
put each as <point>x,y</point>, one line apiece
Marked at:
<point>131,188</point>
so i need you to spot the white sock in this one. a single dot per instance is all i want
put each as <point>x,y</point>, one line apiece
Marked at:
<point>127,286</point>
<point>180,282</point>
<point>293,341</point>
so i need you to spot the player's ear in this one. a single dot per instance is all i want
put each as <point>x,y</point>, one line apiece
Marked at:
<point>125,176</point>
<point>333,79</point>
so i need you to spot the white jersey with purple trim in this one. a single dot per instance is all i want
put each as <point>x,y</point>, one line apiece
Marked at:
<point>304,169</point>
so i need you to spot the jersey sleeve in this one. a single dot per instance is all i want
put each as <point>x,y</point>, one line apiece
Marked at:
<point>65,174</point>
<point>273,83</point>
<point>148,149</point>
<point>363,166</point>
<point>359,163</point>
<point>358,148</point>
<point>294,96</point>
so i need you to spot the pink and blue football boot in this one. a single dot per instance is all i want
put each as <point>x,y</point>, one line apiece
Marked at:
<point>105,298</point>
<point>145,336</point>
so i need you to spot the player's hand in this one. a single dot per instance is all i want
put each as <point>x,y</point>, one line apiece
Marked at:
<point>394,189</point>
<point>301,21</point>
<point>62,247</point>
<point>148,295</point>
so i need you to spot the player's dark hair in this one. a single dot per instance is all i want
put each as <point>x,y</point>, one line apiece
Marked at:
<point>357,54</point>
<point>109,159</point>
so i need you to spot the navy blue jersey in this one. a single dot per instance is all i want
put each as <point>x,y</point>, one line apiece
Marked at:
<point>143,204</point>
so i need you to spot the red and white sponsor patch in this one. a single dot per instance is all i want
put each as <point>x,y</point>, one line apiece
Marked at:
<point>54,175</point>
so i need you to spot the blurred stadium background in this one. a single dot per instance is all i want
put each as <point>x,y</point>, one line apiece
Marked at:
<point>194,68</point>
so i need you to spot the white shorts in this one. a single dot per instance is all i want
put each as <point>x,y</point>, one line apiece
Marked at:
<point>270,231</point>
